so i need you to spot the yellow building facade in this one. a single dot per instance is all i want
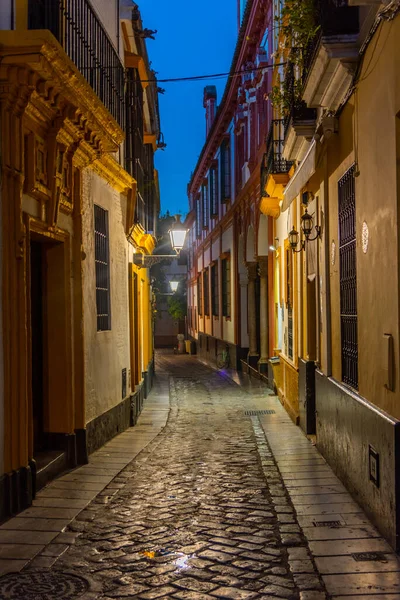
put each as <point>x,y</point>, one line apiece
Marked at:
<point>342,138</point>
<point>76,319</point>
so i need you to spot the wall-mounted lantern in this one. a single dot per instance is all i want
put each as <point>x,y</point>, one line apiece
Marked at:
<point>307,225</point>
<point>177,234</point>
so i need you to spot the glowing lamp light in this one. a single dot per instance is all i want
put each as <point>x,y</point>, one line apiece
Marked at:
<point>177,234</point>
<point>174,285</point>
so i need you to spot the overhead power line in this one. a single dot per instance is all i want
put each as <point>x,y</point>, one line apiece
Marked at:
<point>214,75</point>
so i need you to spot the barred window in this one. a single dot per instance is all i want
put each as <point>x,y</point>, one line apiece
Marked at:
<point>199,296</point>
<point>348,277</point>
<point>102,263</point>
<point>214,191</point>
<point>206,286</point>
<point>226,286</point>
<point>214,290</point>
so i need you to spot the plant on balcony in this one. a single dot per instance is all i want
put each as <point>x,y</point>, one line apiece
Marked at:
<point>298,27</point>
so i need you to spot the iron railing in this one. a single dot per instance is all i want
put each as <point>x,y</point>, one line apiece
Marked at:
<point>298,111</point>
<point>348,278</point>
<point>332,17</point>
<point>78,29</point>
<point>273,161</point>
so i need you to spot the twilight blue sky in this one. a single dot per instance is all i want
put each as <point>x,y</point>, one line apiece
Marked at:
<point>195,37</point>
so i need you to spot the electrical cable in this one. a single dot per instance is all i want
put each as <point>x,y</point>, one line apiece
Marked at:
<point>214,75</point>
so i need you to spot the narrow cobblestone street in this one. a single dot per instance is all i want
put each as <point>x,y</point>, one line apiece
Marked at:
<point>202,512</point>
<point>195,516</point>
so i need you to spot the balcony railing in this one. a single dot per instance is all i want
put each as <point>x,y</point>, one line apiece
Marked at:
<point>298,112</point>
<point>274,161</point>
<point>334,18</point>
<point>78,29</point>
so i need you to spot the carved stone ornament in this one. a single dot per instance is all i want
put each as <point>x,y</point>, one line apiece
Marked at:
<point>36,182</point>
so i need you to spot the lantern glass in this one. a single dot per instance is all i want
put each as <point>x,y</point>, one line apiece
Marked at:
<point>307,224</point>
<point>177,234</point>
<point>293,238</point>
<point>174,285</point>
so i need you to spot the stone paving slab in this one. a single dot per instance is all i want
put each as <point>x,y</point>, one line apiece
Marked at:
<point>346,564</point>
<point>362,583</point>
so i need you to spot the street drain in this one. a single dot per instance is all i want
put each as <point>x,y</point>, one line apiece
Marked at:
<point>367,556</point>
<point>43,585</point>
<point>334,524</point>
<point>254,413</point>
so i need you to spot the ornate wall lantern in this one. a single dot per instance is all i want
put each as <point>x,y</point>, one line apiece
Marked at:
<point>177,234</point>
<point>307,225</point>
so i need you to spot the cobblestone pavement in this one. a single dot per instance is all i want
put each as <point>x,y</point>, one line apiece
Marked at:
<point>206,510</point>
<point>201,513</point>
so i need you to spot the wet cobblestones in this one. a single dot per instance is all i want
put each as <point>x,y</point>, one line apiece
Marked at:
<point>201,513</point>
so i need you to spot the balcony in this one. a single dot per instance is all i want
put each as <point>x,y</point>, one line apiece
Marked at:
<point>299,123</point>
<point>78,29</point>
<point>299,130</point>
<point>332,56</point>
<point>274,170</point>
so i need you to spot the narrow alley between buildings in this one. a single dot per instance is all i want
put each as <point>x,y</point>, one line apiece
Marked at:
<point>224,498</point>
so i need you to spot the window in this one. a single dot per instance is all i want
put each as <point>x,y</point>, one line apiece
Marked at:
<point>348,278</point>
<point>102,263</point>
<point>198,218</point>
<point>226,286</point>
<point>214,191</point>
<point>205,207</point>
<point>206,286</point>
<point>199,296</point>
<point>214,290</point>
<point>225,159</point>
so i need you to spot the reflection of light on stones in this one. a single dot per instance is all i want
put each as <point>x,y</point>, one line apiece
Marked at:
<point>181,562</point>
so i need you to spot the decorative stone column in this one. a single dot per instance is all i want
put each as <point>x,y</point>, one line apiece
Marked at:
<point>252,356</point>
<point>264,329</point>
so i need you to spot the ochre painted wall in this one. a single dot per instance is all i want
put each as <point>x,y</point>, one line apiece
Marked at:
<point>106,352</point>
<point>369,120</point>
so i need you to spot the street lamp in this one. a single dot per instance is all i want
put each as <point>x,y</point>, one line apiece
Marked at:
<point>174,285</point>
<point>177,234</point>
